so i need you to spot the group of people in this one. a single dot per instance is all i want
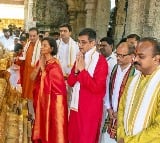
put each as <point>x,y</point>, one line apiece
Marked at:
<point>113,95</point>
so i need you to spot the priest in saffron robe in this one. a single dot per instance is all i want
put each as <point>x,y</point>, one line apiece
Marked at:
<point>30,57</point>
<point>139,108</point>
<point>50,97</point>
<point>88,79</point>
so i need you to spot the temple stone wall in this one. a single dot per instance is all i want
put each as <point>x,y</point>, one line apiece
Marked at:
<point>132,16</point>
<point>48,15</point>
<point>120,20</point>
<point>140,17</point>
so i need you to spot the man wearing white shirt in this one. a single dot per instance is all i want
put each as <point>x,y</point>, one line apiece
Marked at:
<point>106,49</point>
<point>118,78</point>
<point>67,49</point>
<point>7,40</point>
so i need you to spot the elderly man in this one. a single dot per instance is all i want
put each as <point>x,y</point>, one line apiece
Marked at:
<point>88,79</point>
<point>139,108</point>
<point>119,76</point>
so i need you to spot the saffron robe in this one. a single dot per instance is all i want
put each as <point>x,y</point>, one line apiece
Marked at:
<point>151,133</point>
<point>84,124</point>
<point>50,105</point>
<point>27,85</point>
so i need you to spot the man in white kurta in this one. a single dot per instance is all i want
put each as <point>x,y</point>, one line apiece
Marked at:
<point>67,49</point>
<point>106,49</point>
<point>139,108</point>
<point>120,73</point>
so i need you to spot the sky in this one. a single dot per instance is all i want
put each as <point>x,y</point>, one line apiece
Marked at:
<point>112,3</point>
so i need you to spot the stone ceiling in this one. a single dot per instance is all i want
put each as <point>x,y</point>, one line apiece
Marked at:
<point>16,2</point>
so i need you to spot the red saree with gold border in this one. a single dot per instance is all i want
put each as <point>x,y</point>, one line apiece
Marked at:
<point>50,105</point>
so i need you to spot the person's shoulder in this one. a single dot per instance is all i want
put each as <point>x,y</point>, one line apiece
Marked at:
<point>102,60</point>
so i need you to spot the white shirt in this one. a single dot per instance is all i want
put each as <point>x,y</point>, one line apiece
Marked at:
<point>118,81</point>
<point>65,56</point>
<point>112,61</point>
<point>7,43</point>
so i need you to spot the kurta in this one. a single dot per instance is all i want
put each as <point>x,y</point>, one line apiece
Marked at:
<point>27,84</point>
<point>84,125</point>
<point>149,134</point>
<point>50,105</point>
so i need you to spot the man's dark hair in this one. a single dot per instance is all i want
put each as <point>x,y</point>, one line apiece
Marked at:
<point>109,40</point>
<point>5,30</point>
<point>34,29</point>
<point>89,32</point>
<point>52,43</point>
<point>131,48</point>
<point>22,38</point>
<point>66,25</point>
<point>154,42</point>
<point>134,36</point>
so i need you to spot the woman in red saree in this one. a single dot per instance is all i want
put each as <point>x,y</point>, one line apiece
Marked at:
<point>49,98</point>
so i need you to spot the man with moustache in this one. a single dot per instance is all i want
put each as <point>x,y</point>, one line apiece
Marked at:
<point>88,79</point>
<point>106,49</point>
<point>119,76</point>
<point>139,108</point>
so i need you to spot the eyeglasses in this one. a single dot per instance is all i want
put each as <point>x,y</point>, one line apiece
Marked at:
<point>121,55</point>
<point>82,43</point>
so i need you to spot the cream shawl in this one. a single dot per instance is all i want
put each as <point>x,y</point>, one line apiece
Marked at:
<point>72,51</point>
<point>91,59</point>
<point>142,114</point>
<point>36,52</point>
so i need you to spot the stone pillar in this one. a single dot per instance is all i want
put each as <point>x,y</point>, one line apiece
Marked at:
<point>135,17</point>
<point>72,15</point>
<point>102,17</point>
<point>80,17</point>
<point>29,15</point>
<point>90,13</point>
<point>25,14</point>
<point>120,20</point>
<point>151,25</point>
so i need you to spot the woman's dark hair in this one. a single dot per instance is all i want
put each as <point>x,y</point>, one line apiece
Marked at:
<point>52,43</point>
<point>17,47</point>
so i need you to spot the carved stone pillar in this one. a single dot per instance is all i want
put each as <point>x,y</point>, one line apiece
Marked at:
<point>102,17</point>
<point>72,15</point>
<point>50,14</point>
<point>81,16</point>
<point>25,14</point>
<point>120,20</point>
<point>29,14</point>
<point>90,13</point>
